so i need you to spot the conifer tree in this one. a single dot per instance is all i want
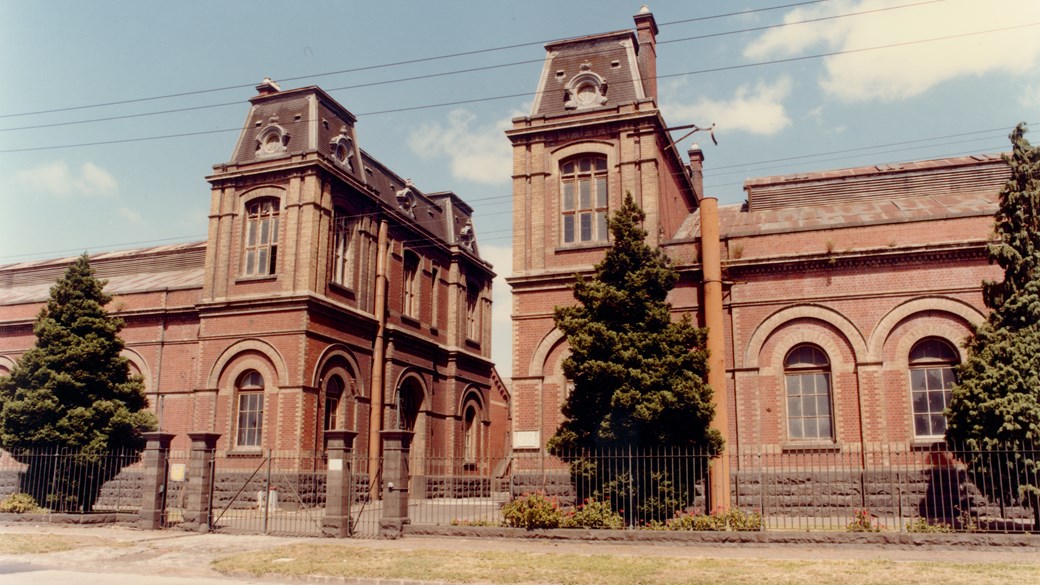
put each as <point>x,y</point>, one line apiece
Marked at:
<point>640,377</point>
<point>994,408</point>
<point>73,393</point>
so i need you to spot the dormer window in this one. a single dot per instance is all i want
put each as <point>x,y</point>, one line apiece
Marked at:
<point>585,90</point>
<point>406,200</point>
<point>466,236</point>
<point>341,148</point>
<point>273,140</point>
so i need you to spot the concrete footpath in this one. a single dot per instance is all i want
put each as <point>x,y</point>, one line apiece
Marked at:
<point>114,555</point>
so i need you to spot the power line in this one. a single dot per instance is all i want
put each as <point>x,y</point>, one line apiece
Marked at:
<point>469,70</point>
<point>482,236</point>
<point>889,162</point>
<point>552,91</point>
<point>379,66</point>
<point>857,149</point>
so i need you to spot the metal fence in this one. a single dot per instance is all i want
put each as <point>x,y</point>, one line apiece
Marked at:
<point>894,487</point>
<point>69,481</point>
<point>283,492</point>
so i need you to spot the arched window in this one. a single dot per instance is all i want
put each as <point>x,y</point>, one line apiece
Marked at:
<point>250,419</point>
<point>333,396</point>
<point>471,433</point>
<point>411,284</point>
<point>807,378</point>
<point>261,237</point>
<point>931,378</point>
<point>343,252</point>
<point>584,193</point>
<point>409,401</point>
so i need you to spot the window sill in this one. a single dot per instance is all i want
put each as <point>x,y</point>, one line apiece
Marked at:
<point>811,446</point>
<point>928,444</point>
<point>583,246</point>
<point>409,320</point>
<point>245,452</point>
<point>341,288</point>
<point>258,278</point>
<point>472,343</point>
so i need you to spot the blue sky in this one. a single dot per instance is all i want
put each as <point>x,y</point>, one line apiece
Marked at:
<point>779,107</point>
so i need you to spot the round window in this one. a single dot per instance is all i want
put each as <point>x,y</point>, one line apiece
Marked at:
<point>586,93</point>
<point>272,142</point>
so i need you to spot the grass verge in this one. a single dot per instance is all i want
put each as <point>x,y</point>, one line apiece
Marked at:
<point>575,569</point>
<point>24,544</point>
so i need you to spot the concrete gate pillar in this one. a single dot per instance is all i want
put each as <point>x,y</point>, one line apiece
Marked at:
<point>198,510</point>
<point>396,445</point>
<point>339,484</point>
<point>156,460</point>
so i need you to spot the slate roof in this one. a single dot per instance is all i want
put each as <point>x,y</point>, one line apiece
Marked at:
<point>312,122</point>
<point>611,56</point>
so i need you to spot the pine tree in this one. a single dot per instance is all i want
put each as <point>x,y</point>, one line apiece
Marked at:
<point>640,377</point>
<point>73,393</point>
<point>994,409</point>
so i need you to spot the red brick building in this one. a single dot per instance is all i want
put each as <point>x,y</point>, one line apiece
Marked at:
<point>837,301</point>
<point>330,294</point>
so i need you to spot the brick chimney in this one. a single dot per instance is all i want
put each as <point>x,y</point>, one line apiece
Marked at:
<point>646,30</point>
<point>267,87</point>
<point>696,170</point>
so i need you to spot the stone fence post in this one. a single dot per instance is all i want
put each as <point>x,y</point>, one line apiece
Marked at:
<point>198,510</point>
<point>339,484</point>
<point>156,460</point>
<point>396,445</point>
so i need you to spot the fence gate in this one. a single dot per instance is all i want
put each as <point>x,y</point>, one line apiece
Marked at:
<point>270,493</point>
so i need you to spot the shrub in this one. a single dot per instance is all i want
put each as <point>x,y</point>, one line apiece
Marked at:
<point>743,521</point>
<point>922,525</point>
<point>593,514</point>
<point>465,522</point>
<point>863,521</point>
<point>532,511</point>
<point>735,520</point>
<point>19,504</point>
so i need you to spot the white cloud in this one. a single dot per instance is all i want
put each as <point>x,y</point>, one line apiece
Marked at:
<point>57,178</point>
<point>914,68</point>
<point>95,180</point>
<point>481,154</point>
<point>128,215</point>
<point>501,257</point>
<point>1030,97</point>
<point>757,109</point>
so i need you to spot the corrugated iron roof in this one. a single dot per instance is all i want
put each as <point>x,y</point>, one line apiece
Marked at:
<point>172,266</point>
<point>947,192</point>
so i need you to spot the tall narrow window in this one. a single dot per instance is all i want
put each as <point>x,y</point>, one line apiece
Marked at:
<point>411,285</point>
<point>931,379</point>
<point>584,199</point>
<point>261,238</point>
<point>470,430</point>
<point>808,380</point>
<point>343,253</point>
<point>333,396</point>
<point>434,297</point>
<point>250,419</point>
<point>472,311</point>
